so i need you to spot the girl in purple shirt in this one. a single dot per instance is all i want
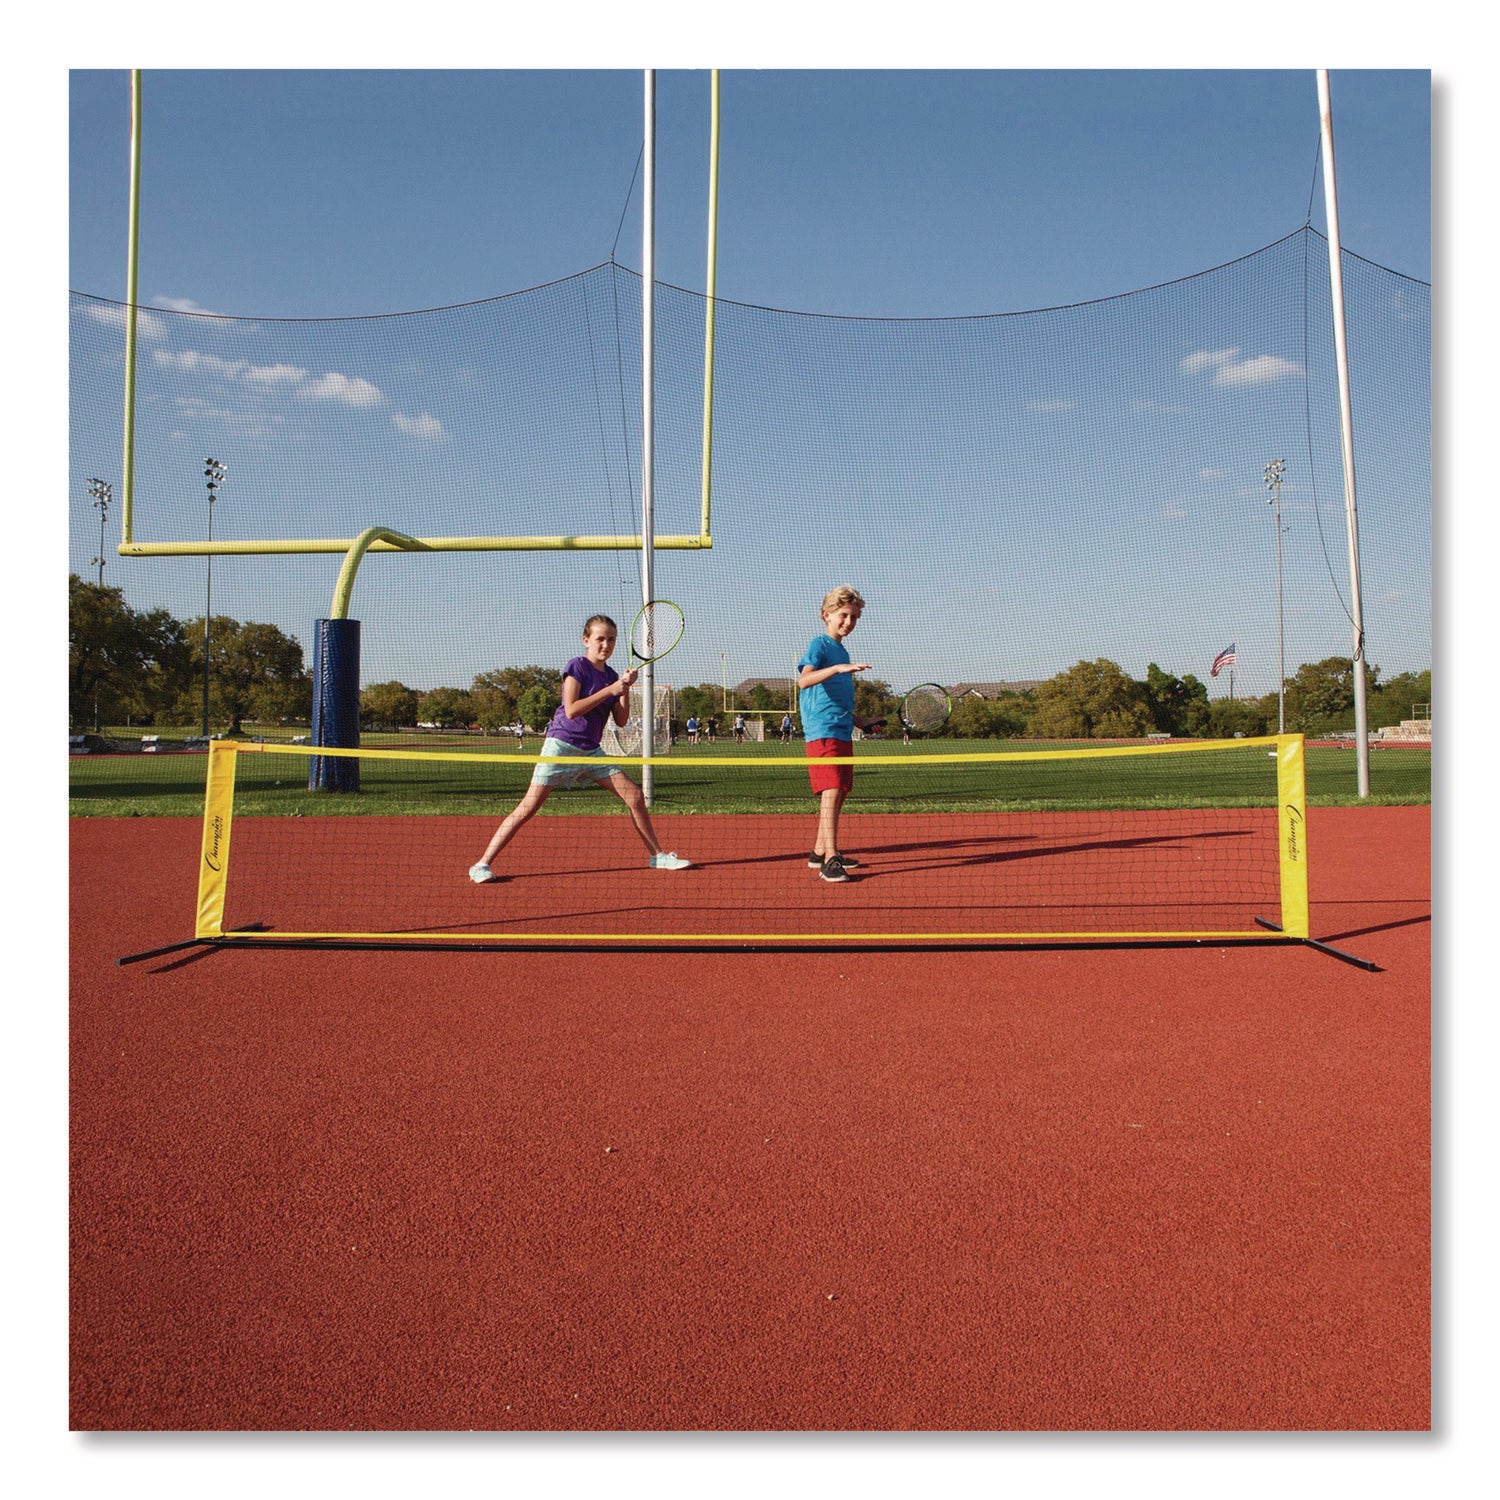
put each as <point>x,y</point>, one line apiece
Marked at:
<point>592,692</point>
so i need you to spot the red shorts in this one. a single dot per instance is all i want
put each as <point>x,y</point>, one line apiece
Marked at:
<point>830,778</point>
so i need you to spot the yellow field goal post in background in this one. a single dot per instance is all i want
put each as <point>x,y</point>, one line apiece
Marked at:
<point>379,538</point>
<point>336,649</point>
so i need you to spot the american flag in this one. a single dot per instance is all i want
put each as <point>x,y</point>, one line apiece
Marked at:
<point>1225,658</point>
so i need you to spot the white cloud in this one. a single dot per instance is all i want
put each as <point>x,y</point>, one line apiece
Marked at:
<point>346,389</point>
<point>1212,473</point>
<point>191,362</point>
<point>1043,406</point>
<point>1207,359</point>
<point>146,324</point>
<point>425,426</point>
<point>1409,309</point>
<point>275,375</point>
<point>1230,370</point>
<point>195,362</point>
<point>182,304</point>
<point>245,424</point>
<point>350,390</point>
<point>1261,370</point>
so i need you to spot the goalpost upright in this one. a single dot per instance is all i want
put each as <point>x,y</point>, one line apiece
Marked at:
<point>380,538</point>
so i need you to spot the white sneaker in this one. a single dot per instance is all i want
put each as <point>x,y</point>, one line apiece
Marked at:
<point>481,874</point>
<point>670,862</point>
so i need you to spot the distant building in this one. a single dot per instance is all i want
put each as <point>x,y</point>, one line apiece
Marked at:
<point>782,689</point>
<point>990,689</point>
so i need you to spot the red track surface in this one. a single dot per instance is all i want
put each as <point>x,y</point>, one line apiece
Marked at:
<point>1046,1189</point>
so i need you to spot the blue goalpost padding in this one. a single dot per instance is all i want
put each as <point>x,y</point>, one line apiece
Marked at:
<point>335,715</point>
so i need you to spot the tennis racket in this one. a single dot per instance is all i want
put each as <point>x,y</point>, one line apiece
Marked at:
<point>657,629</point>
<point>925,709</point>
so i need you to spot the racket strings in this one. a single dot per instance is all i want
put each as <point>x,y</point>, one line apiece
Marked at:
<point>658,627</point>
<point>645,634</point>
<point>925,708</point>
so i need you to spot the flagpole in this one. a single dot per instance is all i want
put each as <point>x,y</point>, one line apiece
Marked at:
<point>1225,658</point>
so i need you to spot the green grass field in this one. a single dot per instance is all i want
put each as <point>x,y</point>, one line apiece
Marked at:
<point>764,778</point>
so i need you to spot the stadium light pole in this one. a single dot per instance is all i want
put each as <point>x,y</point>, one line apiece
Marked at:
<point>103,493</point>
<point>213,474</point>
<point>1274,472</point>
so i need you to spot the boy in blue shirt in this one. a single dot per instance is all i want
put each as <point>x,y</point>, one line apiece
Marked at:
<point>825,682</point>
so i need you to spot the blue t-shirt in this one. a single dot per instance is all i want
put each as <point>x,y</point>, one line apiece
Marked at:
<point>827,706</point>
<point>584,733</point>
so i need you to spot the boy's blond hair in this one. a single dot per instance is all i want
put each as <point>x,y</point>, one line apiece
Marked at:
<point>842,597</point>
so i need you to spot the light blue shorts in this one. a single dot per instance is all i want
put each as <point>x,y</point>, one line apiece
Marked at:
<point>562,778</point>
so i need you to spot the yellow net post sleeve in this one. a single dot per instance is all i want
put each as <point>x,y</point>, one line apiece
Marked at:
<point>1291,797</point>
<point>213,862</point>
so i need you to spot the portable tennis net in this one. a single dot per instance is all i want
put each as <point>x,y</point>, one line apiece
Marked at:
<point>1186,842</point>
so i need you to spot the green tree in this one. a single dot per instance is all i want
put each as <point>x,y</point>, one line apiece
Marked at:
<point>1017,709</point>
<point>1394,700</point>
<point>388,705</point>
<point>1320,698</point>
<point>498,697</point>
<point>698,702</point>
<point>447,707</point>
<point>874,699</point>
<point>1093,700</point>
<point>255,672</point>
<point>999,718</point>
<point>760,696</point>
<point>491,710</point>
<point>511,682</point>
<point>537,705</point>
<point>1228,717</point>
<point>121,663</point>
<point>1179,705</point>
<point>265,667</point>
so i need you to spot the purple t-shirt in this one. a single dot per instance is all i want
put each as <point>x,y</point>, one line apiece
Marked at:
<point>584,733</point>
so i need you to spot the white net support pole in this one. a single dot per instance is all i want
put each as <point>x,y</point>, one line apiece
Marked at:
<point>1346,427</point>
<point>648,499</point>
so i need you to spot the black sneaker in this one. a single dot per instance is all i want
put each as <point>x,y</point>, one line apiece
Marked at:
<point>815,861</point>
<point>833,868</point>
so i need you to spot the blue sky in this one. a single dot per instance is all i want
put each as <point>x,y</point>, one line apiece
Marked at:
<point>879,194</point>
<point>890,193</point>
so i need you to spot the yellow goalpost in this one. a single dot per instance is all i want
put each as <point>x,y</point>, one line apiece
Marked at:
<point>380,538</point>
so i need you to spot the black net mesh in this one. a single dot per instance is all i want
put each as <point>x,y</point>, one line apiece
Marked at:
<point>1012,493</point>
